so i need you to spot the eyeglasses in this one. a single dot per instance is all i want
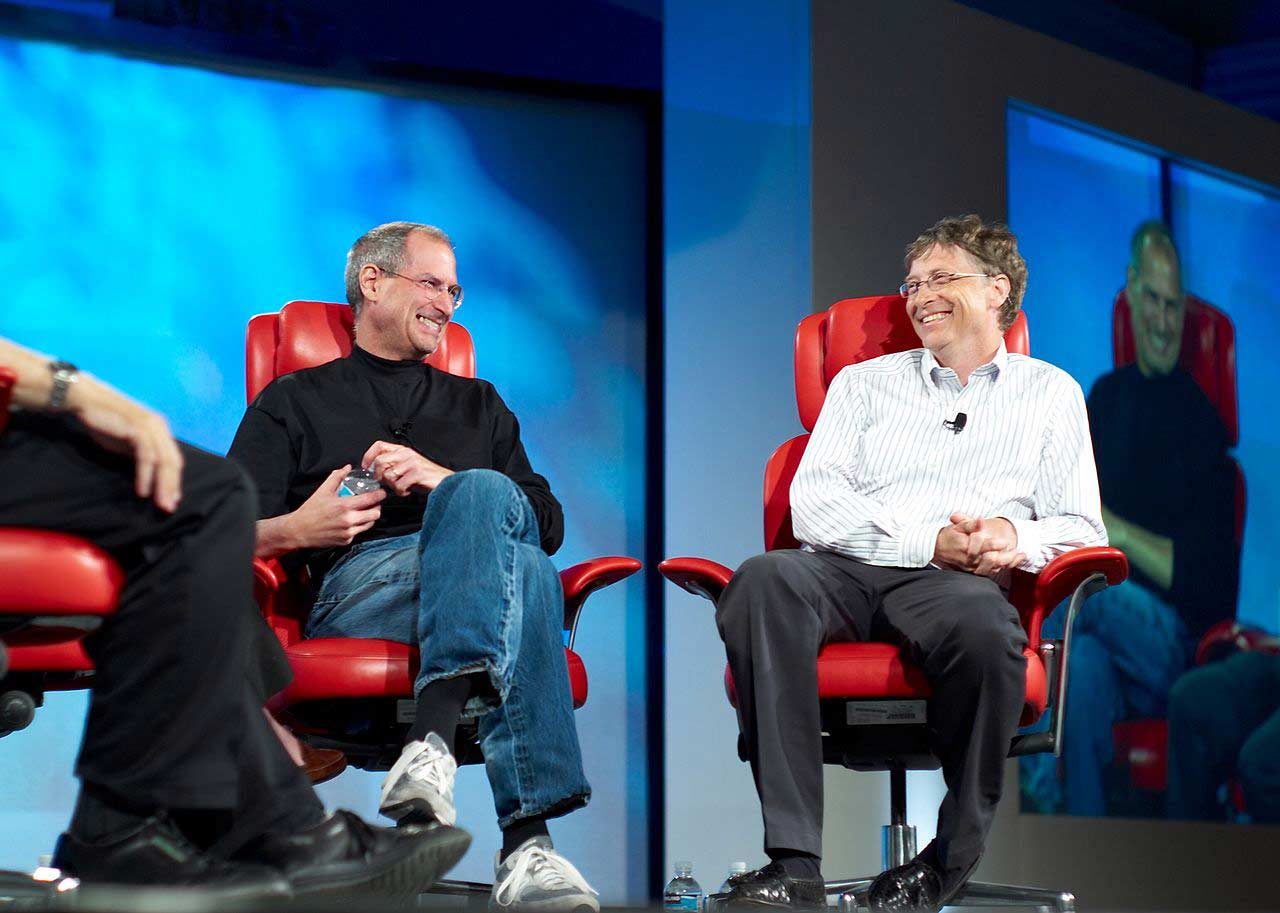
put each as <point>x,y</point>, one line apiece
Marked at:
<point>936,281</point>
<point>432,286</point>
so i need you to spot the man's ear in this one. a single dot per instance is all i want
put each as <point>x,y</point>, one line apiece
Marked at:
<point>369,275</point>
<point>1000,287</point>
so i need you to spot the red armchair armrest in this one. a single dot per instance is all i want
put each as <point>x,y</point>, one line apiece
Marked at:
<point>1035,595</point>
<point>699,576</point>
<point>581,580</point>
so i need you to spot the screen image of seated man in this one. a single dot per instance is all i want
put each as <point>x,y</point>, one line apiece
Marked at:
<point>908,531</point>
<point>1168,503</point>
<point>183,783</point>
<point>451,555</point>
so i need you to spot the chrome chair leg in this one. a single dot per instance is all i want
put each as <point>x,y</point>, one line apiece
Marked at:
<point>986,894</point>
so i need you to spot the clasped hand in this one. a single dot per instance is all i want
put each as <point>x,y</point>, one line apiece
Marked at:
<point>986,546</point>
<point>325,519</point>
<point>401,468</point>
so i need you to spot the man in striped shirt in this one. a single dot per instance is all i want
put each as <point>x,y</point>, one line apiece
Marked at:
<point>909,529</point>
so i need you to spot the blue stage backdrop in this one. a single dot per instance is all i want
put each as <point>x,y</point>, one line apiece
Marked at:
<point>1075,198</point>
<point>147,211</point>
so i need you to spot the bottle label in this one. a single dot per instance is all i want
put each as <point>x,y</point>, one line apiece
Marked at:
<point>687,902</point>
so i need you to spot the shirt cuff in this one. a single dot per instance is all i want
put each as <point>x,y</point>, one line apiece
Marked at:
<point>1029,543</point>
<point>918,543</point>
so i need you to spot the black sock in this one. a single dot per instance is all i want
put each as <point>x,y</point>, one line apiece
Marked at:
<point>100,814</point>
<point>440,706</point>
<point>798,865</point>
<point>520,830</point>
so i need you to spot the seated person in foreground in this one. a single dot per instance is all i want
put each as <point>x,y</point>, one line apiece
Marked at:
<point>175,742</point>
<point>454,560</point>
<point>909,532</point>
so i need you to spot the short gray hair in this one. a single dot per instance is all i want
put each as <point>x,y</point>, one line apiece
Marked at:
<point>1152,233</point>
<point>384,247</point>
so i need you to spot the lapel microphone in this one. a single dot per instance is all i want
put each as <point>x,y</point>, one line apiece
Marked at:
<point>956,425</point>
<point>399,427</point>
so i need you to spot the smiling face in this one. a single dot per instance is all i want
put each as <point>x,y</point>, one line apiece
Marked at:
<point>399,319</point>
<point>1157,309</point>
<point>960,321</point>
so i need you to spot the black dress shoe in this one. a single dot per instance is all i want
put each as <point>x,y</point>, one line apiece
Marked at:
<point>156,853</point>
<point>344,855</point>
<point>771,886</point>
<point>914,886</point>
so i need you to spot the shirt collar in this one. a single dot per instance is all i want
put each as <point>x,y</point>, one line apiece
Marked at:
<point>995,367</point>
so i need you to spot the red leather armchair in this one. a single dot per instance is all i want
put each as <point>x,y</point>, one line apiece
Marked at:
<point>54,589</point>
<point>1209,355</point>
<point>347,692</point>
<point>850,331</point>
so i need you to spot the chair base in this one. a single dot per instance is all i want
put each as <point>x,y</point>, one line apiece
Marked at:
<point>853,896</point>
<point>898,846</point>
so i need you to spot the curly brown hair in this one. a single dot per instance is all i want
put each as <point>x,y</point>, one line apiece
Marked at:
<point>990,243</point>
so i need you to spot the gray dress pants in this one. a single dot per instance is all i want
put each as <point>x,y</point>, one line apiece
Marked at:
<point>782,607</point>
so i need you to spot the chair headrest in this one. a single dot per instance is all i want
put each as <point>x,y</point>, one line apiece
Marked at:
<point>854,330</point>
<point>305,334</point>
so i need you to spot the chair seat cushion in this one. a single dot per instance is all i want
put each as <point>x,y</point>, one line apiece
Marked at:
<point>351,667</point>
<point>47,573</point>
<point>878,670</point>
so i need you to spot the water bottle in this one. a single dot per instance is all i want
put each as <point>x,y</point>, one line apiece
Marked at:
<point>735,869</point>
<point>682,892</point>
<point>357,482</point>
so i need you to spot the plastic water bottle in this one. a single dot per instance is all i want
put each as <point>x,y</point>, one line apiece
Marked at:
<point>357,482</point>
<point>735,868</point>
<point>682,892</point>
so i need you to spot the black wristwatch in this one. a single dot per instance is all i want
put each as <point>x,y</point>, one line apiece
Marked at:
<point>64,375</point>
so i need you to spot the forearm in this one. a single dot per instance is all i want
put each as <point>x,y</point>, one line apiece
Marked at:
<point>1043,540</point>
<point>35,380</point>
<point>1149,552</point>
<point>274,537</point>
<point>849,523</point>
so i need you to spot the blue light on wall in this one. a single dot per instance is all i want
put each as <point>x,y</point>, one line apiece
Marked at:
<point>147,211</point>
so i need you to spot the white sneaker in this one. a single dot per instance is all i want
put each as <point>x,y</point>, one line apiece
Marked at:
<point>536,878</point>
<point>419,788</point>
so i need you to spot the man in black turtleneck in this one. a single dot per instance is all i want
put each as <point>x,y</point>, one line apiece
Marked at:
<point>1168,503</point>
<point>451,555</point>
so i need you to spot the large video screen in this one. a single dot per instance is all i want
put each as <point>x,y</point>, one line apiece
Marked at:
<point>147,211</point>
<point>1150,284</point>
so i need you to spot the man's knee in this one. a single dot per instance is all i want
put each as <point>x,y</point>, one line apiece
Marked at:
<point>212,482</point>
<point>766,590</point>
<point>1194,701</point>
<point>986,628</point>
<point>478,483</point>
<point>1258,769</point>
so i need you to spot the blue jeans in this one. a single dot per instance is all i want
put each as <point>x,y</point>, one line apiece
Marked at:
<point>475,592</point>
<point>1128,647</point>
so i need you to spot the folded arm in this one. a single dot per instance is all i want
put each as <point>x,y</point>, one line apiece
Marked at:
<point>1066,504</point>
<point>829,508</point>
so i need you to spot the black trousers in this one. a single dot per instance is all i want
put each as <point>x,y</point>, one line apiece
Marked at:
<point>175,719</point>
<point>780,609</point>
<point>1224,722</point>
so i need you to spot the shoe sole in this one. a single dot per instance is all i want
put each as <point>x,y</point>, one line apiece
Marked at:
<point>413,811</point>
<point>413,865</point>
<point>543,907</point>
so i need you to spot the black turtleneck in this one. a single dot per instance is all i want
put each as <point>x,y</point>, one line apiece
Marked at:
<point>306,424</point>
<point>1162,463</point>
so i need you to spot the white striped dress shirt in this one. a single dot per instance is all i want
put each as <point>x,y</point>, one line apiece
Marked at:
<point>882,474</point>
